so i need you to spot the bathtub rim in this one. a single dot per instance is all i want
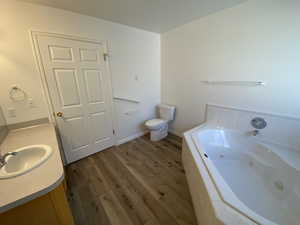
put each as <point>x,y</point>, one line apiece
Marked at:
<point>212,188</point>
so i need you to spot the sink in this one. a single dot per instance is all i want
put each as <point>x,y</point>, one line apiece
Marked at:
<point>27,159</point>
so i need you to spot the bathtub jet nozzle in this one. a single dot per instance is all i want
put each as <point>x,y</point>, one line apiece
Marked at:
<point>255,132</point>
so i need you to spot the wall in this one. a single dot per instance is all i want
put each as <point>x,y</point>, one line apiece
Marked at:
<point>3,127</point>
<point>135,61</point>
<point>257,40</point>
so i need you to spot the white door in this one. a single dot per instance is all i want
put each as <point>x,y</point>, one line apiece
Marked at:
<point>80,90</point>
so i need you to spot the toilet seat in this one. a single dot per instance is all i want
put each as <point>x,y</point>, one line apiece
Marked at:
<point>155,123</point>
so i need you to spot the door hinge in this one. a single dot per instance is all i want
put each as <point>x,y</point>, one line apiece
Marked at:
<point>105,56</point>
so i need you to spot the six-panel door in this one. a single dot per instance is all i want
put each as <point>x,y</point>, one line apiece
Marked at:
<point>80,91</point>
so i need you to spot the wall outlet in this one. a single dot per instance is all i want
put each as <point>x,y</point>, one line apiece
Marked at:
<point>11,112</point>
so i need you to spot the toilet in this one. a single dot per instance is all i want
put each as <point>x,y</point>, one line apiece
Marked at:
<point>159,127</point>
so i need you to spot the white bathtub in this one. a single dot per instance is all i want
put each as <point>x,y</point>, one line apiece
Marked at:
<point>246,181</point>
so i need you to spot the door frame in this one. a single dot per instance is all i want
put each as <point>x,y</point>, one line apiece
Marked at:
<point>45,87</point>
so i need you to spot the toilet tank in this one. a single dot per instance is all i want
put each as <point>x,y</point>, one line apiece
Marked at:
<point>166,112</point>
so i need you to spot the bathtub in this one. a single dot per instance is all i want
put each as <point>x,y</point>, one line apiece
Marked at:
<point>238,179</point>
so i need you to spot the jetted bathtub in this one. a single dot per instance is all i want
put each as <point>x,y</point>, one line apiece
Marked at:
<point>236,178</point>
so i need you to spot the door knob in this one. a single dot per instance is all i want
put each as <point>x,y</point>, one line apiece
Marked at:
<point>59,114</point>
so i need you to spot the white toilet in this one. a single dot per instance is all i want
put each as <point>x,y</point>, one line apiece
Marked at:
<point>159,127</point>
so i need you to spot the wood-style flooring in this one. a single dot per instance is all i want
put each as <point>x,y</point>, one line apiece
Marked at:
<point>137,183</point>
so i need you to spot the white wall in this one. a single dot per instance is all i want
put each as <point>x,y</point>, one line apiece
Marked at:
<point>257,40</point>
<point>134,53</point>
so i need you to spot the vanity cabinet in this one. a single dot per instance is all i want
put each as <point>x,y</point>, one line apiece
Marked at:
<point>49,209</point>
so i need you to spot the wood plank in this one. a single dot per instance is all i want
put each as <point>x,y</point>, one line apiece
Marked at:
<point>161,155</point>
<point>77,208</point>
<point>137,183</point>
<point>174,152</point>
<point>161,170</point>
<point>123,192</point>
<point>133,198</point>
<point>163,192</point>
<point>93,211</point>
<point>113,209</point>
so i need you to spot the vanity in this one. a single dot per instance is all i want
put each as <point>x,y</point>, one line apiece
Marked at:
<point>38,195</point>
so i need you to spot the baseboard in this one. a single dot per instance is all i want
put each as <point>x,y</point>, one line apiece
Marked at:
<point>131,137</point>
<point>176,133</point>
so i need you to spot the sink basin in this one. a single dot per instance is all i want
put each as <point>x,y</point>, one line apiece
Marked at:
<point>27,159</point>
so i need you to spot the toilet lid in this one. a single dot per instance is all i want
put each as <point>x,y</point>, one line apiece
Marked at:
<point>155,122</point>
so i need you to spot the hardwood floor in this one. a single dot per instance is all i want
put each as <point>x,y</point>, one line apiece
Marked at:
<point>137,183</point>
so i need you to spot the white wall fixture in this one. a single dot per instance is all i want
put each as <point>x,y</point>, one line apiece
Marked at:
<point>126,99</point>
<point>240,175</point>
<point>235,83</point>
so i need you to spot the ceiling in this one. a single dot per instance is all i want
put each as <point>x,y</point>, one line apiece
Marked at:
<point>153,15</point>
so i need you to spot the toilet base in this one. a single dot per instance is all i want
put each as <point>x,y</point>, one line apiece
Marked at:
<point>157,135</point>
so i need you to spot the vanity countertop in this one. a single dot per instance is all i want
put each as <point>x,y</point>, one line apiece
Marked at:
<point>43,179</point>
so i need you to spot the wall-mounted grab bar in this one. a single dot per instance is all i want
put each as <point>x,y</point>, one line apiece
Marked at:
<point>235,83</point>
<point>126,99</point>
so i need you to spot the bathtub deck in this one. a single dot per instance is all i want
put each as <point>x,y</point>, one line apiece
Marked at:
<point>137,183</point>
